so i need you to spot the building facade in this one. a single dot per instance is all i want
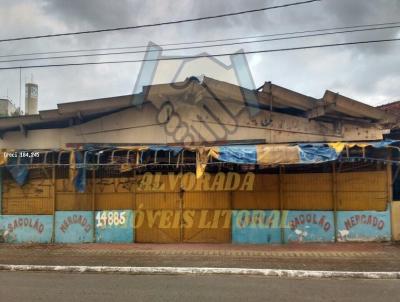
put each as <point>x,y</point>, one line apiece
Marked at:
<point>199,161</point>
<point>7,108</point>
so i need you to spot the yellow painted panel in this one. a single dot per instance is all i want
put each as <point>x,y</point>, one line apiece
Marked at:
<point>157,201</point>
<point>312,191</point>
<point>117,185</point>
<point>158,226</point>
<point>190,183</point>
<point>255,200</point>
<point>156,182</point>
<point>206,200</point>
<point>310,182</point>
<point>73,201</point>
<point>266,182</point>
<point>221,181</point>
<point>34,188</point>
<point>362,201</point>
<point>209,226</point>
<point>64,185</point>
<point>115,201</point>
<point>396,220</point>
<point>362,181</point>
<point>308,201</point>
<point>35,197</point>
<point>28,206</point>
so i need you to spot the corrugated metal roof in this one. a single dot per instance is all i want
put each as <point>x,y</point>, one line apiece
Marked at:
<point>331,107</point>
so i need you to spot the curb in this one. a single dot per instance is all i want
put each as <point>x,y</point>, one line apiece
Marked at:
<point>302,274</point>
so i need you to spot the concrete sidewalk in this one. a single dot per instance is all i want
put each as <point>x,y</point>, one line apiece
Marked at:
<point>372,257</point>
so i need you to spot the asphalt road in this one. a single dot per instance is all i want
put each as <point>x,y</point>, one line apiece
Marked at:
<point>60,287</point>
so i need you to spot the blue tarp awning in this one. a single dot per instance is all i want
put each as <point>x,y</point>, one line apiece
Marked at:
<point>265,154</point>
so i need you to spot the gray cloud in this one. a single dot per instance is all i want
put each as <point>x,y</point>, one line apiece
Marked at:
<point>87,14</point>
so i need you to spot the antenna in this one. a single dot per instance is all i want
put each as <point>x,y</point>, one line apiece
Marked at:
<point>20,88</point>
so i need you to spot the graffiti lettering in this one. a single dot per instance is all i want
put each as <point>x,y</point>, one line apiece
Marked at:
<point>75,219</point>
<point>257,219</point>
<point>364,219</point>
<point>173,219</point>
<point>26,223</point>
<point>187,181</point>
<point>310,219</point>
<point>110,218</point>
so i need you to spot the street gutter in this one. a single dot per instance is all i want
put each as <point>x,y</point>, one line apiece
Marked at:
<point>298,274</point>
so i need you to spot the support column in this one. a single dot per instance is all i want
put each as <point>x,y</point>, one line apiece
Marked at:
<point>231,213</point>
<point>94,203</point>
<point>181,204</point>
<point>134,207</point>
<point>1,189</point>
<point>282,202</point>
<point>334,198</point>
<point>389,188</point>
<point>389,180</point>
<point>53,232</point>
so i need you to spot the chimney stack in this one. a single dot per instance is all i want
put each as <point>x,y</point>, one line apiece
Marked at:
<point>31,98</point>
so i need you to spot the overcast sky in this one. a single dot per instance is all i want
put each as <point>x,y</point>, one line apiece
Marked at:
<point>368,73</point>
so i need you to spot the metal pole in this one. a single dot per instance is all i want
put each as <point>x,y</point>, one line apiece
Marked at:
<point>281,202</point>
<point>181,198</point>
<point>53,233</point>
<point>334,197</point>
<point>389,177</point>
<point>390,190</point>
<point>134,207</point>
<point>94,203</point>
<point>20,88</point>
<point>1,189</point>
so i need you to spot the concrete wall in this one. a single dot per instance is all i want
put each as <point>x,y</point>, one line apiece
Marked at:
<point>74,227</point>
<point>115,226</point>
<point>248,227</point>
<point>143,126</point>
<point>26,228</point>
<point>364,226</point>
<point>309,226</point>
<point>249,223</point>
<point>256,227</point>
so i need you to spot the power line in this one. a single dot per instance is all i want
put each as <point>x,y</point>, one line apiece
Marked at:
<point>160,23</point>
<point>205,55</point>
<point>200,46</point>
<point>202,41</point>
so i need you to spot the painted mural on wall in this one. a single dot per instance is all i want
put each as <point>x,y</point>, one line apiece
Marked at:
<point>363,226</point>
<point>74,227</point>
<point>256,227</point>
<point>26,228</point>
<point>115,226</point>
<point>248,226</point>
<point>308,226</point>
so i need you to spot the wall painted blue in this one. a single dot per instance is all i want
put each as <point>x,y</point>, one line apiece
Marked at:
<point>115,226</point>
<point>363,226</point>
<point>74,227</point>
<point>308,226</point>
<point>256,227</point>
<point>26,228</point>
<point>251,227</point>
<point>1,190</point>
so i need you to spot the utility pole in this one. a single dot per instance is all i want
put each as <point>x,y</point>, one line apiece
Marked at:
<point>20,79</point>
